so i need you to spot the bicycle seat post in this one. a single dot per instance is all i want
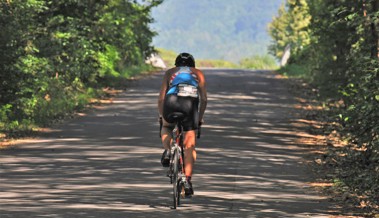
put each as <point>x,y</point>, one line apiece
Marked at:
<point>174,136</point>
<point>174,133</point>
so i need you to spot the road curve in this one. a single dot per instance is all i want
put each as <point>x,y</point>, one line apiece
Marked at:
<point>106,163</point>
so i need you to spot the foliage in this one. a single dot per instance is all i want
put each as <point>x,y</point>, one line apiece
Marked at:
<point>54,55</point>
<point>340,56</point>
<point>290,27</point>
<point>278,32</point>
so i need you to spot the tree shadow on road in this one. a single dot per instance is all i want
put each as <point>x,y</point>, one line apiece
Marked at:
<point>106,164</point>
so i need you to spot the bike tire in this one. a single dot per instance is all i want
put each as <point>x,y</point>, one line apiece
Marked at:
<point>180,186</point>
<point>175,179</point>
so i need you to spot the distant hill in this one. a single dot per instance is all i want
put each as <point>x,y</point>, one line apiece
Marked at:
<point>215,29</point>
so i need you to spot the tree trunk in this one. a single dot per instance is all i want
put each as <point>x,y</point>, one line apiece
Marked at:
<point>374,31</point>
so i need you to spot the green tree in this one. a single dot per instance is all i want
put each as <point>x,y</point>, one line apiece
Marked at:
<point>278,31</point>
<point>290,27</point>
<point>53,53</point>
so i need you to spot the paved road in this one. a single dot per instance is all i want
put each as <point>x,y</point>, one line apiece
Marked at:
<point>106,163</point>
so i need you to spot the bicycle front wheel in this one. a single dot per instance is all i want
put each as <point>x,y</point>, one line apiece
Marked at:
<point>175,179</point>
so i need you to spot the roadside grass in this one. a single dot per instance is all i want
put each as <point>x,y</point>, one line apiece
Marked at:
<point>47,110</point>
<point>60,104</point>
<point>169,58</point>
<point>295,71</point>
<point>338,161</point>
<point>257,62</point>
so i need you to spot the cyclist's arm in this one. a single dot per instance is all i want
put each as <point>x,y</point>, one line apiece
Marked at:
<point>162,93</point>
<point>202,93</point>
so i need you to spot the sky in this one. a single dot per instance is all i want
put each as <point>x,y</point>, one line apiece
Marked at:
<point>215,29</point>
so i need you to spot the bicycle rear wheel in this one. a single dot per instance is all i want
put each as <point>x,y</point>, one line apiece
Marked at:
<point>175,179</point>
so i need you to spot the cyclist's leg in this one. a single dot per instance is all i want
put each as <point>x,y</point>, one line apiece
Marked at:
<point>167,128</point>
<point>189,159</point>
<point>166,134</point>
<point>169,107</point>
<point>190,152</point>
<point>190,125</point>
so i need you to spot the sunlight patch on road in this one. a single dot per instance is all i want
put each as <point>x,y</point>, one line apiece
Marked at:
<point>241,137</point>
<point>38,141</point>
<point>239,96</point>
<point>118,186</point>
<point>110,206</point>
<point>124,138</point>
<point>213,126</point>
<point>275,196</point>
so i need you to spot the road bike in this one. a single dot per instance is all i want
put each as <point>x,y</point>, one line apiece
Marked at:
<point>176,168</point>
<point>176,171</point>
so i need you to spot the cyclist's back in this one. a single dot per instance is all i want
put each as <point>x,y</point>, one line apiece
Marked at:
<point>182,96</point>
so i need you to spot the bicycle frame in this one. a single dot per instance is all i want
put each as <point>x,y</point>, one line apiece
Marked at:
<point>177,170</point>
<point>178,145</point>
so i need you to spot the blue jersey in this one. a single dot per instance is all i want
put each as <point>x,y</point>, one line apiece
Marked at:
<point>183,83</point>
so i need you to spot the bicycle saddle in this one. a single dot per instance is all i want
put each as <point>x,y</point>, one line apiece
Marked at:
<point>175,117</point>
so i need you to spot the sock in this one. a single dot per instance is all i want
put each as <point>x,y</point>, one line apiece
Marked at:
<point>188,178</point>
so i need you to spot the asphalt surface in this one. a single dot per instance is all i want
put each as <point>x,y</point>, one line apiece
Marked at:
<point>107,163</point>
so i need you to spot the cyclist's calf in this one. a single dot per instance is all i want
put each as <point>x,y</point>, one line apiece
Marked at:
<point>166,135</point>
<point>189,151</point>
<point>189,139</point>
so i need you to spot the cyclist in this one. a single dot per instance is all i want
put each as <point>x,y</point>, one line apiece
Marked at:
<point>182,89</point>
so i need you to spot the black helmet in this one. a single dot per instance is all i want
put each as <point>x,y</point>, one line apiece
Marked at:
<point>185,60</point>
